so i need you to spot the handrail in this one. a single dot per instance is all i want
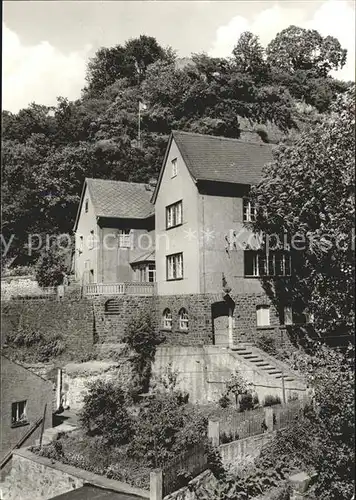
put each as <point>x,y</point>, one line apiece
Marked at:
<point>23,438</point>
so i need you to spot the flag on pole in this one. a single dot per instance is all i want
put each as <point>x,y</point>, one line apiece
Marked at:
<point>141,106</point>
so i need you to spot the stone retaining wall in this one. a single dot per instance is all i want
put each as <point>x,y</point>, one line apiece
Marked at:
<point>243,452</point>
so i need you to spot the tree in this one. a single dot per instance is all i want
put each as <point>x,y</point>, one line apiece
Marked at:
<point>297,48</point>
<point>249,55</point>
<point>308,194</point>
<point>104,413</point>
<point>53,263</point>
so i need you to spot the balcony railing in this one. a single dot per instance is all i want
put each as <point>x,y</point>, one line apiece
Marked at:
<point>132,288</point>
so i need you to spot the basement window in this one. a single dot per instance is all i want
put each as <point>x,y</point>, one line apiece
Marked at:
<point>18,414</point>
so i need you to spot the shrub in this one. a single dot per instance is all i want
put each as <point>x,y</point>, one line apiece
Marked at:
<point>104,413</point>
<point>267,344</point>
<point>271,400</point>
<point>52,266</point>
<point>51,349</point>
<point>143,340</point>
<point>165,426</point>
<point>246,402</point>
<point>224,401</point>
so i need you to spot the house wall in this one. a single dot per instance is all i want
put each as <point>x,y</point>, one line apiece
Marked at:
<point>19,384</point>
<point>221,216</point>
<point>176,239</point>
<point>114,262</point>
<point>87,259</point>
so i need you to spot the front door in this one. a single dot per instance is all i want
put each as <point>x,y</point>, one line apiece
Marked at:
<point>221,331</point>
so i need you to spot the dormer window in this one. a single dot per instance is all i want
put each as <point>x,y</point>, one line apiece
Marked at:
<point>86,205</point>
<point>174,167</point>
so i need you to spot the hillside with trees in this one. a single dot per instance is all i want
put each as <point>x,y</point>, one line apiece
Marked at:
<point>276,91</point>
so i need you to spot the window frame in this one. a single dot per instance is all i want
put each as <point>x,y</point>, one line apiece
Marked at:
<point>174,168</point>
<point>183,321</point>
<point>249,210</point>
<point>167,319</point>
<point>174,216</point>
<point>18,421</point>
<point>261,261</point>
<point>175,277</point>
<point>124,236</point>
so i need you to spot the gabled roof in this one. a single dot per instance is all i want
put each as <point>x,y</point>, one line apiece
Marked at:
<point>219,159</point>
<point>144,257</point>
<point>118,199</point>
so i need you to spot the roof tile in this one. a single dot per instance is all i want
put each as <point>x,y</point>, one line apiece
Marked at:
<point>222,159</point>
<point>120,199</point>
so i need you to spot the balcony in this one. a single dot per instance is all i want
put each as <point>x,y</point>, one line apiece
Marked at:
<point>128,288</point>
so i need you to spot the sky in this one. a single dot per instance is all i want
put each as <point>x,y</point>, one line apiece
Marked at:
<point>46,45</point>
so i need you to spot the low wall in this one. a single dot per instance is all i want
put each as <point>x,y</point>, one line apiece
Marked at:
<point>235,455</point>
<point>38,478</point>
<point>243,452</point>
<point>200,487</point>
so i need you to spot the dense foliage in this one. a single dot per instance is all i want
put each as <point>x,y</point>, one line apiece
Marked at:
<point>308,194</point>
<point>142,339</point>
<point>165,427</point>
<point>105,414</point>
<point>48,151</point>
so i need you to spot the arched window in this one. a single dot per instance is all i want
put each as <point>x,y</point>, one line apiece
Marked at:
<point>167,319</point>
<point>183,319</point>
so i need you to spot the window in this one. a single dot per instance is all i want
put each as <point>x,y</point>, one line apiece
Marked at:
<point>125,238</point>
<point>175,266</point>
<point>183,319</point>
<point>151,273</point>
<point>174,167</point>
<point>81,244</point>
<point>167,319</point>
<point>249,211</point>
<point>174,215</point>
<point>288,315</point>
<point>91,240</point>
<point>145,273</point>
<point>18,413</point>
<point>262,313</point>
<point>274,263</point>
<point>86,206</point>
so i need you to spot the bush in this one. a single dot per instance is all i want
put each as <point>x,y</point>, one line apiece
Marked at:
<point>104,413</point>
<point>224,401</point>
<point>246,402</point>
<point>52,266</point>
<point>143,340</point>
<point>271,400</point>
<point>166,426</point>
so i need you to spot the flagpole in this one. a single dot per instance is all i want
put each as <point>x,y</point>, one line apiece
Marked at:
<point>139,124</point>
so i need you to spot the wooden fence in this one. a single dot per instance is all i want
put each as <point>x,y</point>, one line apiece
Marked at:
<point>253,422</point>
<point>183,468</point>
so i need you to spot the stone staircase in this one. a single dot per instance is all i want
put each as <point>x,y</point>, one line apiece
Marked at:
<point>269,366</point>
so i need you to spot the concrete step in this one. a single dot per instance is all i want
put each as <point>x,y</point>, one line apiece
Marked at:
<point>261,364</point>
<point>274,372</point>
<point>251,357</point>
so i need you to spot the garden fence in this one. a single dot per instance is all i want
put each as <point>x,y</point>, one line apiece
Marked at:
<point>184,467</point>
<point>253,422</point>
